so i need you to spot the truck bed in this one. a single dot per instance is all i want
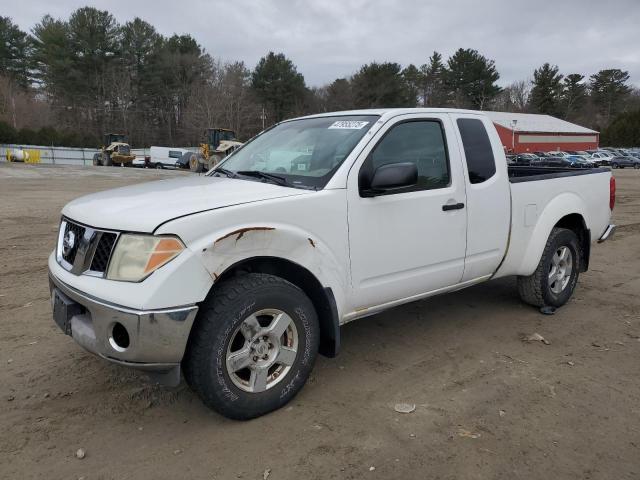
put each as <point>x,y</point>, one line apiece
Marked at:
<point>519,174</point>
<point>537,205</point>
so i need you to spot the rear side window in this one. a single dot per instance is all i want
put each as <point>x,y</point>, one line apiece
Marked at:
<point>477,150</point>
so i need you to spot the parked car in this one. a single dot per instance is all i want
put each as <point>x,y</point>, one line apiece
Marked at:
<point>580,153</point>
<point>557,162</point>
<point>614,151</point>
<point>601,158</point>
<point>142,161</point>
<point>625,162</point>
<point>525,158</point>
<point>239,277</point>
<point>165,157</point>
<point>577,161</point>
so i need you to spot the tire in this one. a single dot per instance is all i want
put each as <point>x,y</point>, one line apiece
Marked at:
<point>537,289</point>
<point>159,166</point>
<point>221,332</point>
<point>195,165</point>
<point>106,160</point>
<point>636,166</point>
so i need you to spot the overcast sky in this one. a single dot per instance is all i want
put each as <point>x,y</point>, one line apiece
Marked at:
<point>328,39</point>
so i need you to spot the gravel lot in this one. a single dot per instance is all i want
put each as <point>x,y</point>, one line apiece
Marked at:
<point>488,405</point>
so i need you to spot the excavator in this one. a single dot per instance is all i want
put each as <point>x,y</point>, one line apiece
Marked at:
<point>115,151</point>
<point>218,143</point>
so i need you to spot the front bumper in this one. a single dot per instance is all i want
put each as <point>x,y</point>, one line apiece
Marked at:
<point>156,338</point>
<point>607,234</point>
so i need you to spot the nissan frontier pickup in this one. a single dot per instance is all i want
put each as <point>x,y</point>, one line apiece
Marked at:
<point>238,278</point>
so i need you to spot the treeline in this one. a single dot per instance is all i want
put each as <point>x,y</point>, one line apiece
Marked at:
<point>69,81</point>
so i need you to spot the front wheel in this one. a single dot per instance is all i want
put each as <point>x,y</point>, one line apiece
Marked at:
<point>252,346</point>
<point>195,165</point>
<point>555,278</point>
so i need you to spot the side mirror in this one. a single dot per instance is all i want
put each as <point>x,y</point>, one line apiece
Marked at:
<point>391,177</point>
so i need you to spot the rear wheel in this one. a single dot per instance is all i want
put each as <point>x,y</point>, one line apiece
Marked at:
<point>636,166</point>
<point>556,276</point>
<point>253,346</point>
<point>106,160</point>
<point>159,166</point>
<point>614,165</point>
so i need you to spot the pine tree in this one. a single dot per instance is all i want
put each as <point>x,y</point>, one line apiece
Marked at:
<point>15,52</point>
<point>470,79</point>
<point>574,95</point>
<point>381,85</point>
<point>278,85</point>
<point>546,91</point>
<point>608,89</point>
<point>413,79</point>
<point>433,92</point>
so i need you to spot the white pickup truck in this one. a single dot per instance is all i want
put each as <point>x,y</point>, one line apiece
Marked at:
<point>239,277</point>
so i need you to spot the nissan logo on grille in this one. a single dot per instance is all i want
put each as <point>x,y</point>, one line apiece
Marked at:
<point>68,242</point>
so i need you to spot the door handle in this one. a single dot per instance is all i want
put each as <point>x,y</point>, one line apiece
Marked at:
<point>452,206</point>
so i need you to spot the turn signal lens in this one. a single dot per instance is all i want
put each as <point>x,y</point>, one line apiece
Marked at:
<point>166,250</point>
<point>138,256</point>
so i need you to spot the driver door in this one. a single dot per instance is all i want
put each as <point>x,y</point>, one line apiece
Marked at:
<point>404,243</point>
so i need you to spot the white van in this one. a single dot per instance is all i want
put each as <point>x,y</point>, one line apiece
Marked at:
<point>163,157</point>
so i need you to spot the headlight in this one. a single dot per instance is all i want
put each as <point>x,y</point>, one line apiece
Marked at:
<point>138,256</point>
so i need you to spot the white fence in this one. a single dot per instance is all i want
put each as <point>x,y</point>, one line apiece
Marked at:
<point>60,155</point>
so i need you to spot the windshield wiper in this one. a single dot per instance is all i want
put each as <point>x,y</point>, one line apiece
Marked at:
<point>266,176</point>
<point>226,172</point>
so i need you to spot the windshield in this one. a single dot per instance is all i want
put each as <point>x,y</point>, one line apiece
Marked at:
<point>305,152</point>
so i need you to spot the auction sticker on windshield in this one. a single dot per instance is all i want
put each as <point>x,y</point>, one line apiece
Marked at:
<point>349,124</point>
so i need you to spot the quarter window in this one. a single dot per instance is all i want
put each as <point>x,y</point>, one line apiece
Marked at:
<point>481,164</point>
<point>420,142</point>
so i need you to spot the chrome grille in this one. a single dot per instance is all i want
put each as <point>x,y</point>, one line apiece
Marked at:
<point>101,256</point>
<point>84,250</point>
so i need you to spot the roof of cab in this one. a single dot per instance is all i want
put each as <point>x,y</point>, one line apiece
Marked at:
<point>390,112</point>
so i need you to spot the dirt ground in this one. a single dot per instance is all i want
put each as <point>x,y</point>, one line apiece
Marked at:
<point>488,405</point>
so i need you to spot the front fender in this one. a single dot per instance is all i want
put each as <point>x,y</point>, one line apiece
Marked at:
<point>224,248</point>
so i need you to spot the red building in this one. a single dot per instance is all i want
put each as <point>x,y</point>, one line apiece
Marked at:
<point>528,132</point>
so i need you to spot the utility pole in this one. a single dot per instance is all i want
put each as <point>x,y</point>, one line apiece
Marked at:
<point>13,109</point>
<point>514,122</point>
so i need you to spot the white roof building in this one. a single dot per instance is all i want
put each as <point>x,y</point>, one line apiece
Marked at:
<point>535,123</point>
<point>530,132</point>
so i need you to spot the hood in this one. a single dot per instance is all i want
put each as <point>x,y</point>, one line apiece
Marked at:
<point>142,207</point>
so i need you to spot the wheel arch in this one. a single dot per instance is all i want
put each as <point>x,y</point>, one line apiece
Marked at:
<point>566,210</point>
<point>576,223</point>
<point>322,297</point>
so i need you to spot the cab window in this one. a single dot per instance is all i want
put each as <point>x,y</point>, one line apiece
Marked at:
<point>481,164</point>
<point>421,142</point>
